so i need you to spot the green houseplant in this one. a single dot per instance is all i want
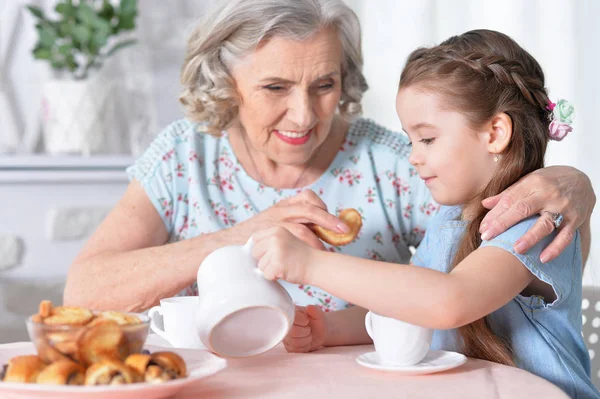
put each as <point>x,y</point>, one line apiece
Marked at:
<point>82,101</point>
<point>78,39</point>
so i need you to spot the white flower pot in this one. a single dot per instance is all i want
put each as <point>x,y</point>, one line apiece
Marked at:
<point>78,116</point>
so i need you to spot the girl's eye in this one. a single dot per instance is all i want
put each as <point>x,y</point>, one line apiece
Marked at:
<point>427,141</point>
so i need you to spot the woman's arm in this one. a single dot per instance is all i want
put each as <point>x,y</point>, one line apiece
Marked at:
<point>485,281</point>
<point>126,264</point>
<point>560,189</point>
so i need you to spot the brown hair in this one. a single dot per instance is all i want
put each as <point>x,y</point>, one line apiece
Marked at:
<point>482,73</point>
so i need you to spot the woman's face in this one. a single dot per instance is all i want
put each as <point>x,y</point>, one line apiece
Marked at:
<point>289,91</point>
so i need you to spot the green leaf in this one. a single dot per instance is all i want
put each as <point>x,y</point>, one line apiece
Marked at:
<point>65,9</point>
<point>81,33</point>
<point>108,11</point>
<point>71,63</point>
<point>42,53</point>
<point>101,26</point>
<point>65,29</point>
<point>126,23</point>
<point>47,36</point>
<point>120,45</point>
<point>98,41</point>
<point>86,14</point>
<point>127,7</point>
<point>65,49</point>
<point>36,11</point>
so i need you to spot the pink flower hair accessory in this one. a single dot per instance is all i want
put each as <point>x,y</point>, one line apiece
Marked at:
<point>563,114</point>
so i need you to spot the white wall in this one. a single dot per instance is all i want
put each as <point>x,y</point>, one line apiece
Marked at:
<point>562,34</point>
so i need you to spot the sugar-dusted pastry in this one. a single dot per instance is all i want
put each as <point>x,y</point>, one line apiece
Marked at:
<point>68,315</point>
<point>102,341</point>
<point>111,372</point>
<point>120,318</point>
<point>351,218</point>
<point>63,372</point>
<point>158,367</point>
<point>24,369</point>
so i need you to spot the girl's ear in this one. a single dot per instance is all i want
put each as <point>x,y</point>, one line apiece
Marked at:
<point>500,133</point>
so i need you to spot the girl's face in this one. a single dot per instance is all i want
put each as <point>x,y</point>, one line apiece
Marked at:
<point>452,158</point>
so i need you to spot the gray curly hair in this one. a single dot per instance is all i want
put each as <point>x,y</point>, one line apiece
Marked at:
<point>234,28</point>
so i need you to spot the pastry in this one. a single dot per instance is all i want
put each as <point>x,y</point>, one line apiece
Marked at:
<point>101,341</point>
<point>158,367</point>
<point>24,369</point>
<point>111,372</point>
<point>351,218</point>
<point>48,353</point>
<point>63,372</point>
<point>68,315</point>
<point>120,318</point>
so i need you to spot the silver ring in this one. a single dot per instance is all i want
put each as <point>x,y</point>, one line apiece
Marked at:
<point>557,218</point>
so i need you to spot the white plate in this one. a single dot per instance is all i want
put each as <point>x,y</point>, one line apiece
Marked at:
<point>434,362</point>
<point>200,364</point>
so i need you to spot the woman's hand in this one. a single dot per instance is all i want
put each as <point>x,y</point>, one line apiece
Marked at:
<point>281,255</point>
<point>293,214</point>
<point>556,189</point>
<point>308,332</point>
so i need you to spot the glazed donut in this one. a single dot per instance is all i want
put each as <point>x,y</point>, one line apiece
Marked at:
<point>351,218</point>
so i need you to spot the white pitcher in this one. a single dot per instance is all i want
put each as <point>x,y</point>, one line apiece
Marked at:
<point>240,312</point>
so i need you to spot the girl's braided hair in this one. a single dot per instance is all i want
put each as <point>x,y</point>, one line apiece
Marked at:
<point>480,74</point>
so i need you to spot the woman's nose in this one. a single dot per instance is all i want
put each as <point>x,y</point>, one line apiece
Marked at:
<point>300,110</point>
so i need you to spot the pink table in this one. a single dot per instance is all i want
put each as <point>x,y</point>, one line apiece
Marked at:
<point>334,373</point>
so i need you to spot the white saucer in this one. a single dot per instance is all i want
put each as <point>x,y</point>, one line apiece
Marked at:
<point>157,340</point>
<point>434,361</point>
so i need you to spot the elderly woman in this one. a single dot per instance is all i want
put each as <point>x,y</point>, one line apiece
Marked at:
<point>272,89</point>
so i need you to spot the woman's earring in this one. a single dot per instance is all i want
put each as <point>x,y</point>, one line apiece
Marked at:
<point>496,157</point>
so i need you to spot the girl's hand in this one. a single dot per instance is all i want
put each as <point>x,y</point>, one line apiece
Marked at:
<point>556,189</point>
<point>281,255</point>
<point>308,332</point>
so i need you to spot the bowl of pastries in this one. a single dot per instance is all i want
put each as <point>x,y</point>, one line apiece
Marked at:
<point>77,346</point>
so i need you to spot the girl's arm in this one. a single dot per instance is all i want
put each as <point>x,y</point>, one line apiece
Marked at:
<point>485,281</point>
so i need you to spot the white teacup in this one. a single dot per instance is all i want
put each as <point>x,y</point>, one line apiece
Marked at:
<point>178,324</point>
<point>396,342</point>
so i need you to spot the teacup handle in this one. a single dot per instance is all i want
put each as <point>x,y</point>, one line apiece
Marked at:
<point>368,325</point>
<point>152,315</point>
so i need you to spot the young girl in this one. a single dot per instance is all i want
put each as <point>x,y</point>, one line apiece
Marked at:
<point>478,115</point>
